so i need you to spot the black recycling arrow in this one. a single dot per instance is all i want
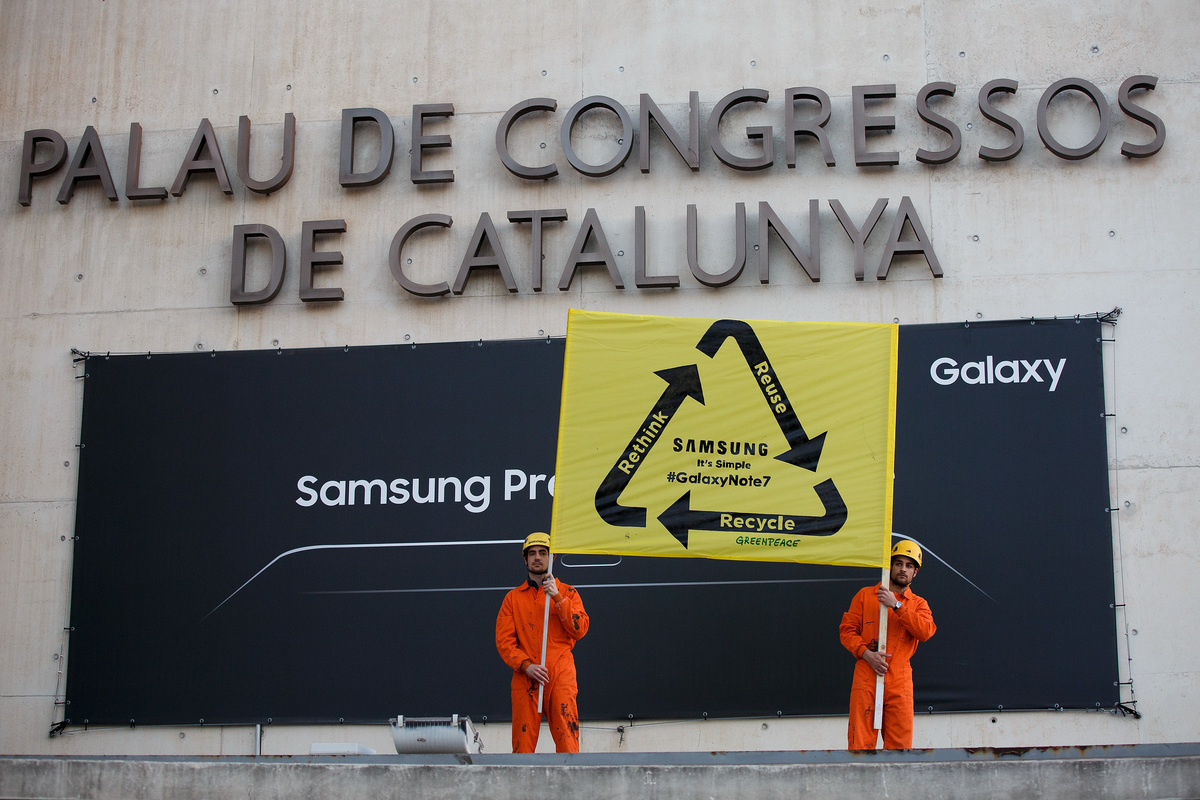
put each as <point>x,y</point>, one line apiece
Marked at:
<point>680,518</point>
<point>804,452</point>
<point>682,382</point>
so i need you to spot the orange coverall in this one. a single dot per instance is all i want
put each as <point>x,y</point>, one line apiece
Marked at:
<point>912,624</point>
<point>519,641</point>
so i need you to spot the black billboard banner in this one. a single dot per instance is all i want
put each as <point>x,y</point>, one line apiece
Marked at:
<point>326,535</point>
<point>1002,468</point>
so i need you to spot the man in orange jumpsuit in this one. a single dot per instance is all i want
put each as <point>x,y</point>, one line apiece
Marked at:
<point>519,640</point>
<point>909,622</point>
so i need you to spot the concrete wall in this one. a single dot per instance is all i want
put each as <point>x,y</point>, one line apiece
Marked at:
<point>1142,772</point>
<point>1035,236</point>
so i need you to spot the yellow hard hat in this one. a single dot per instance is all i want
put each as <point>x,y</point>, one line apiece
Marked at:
<point>534,539</point>
<point>906,548</point>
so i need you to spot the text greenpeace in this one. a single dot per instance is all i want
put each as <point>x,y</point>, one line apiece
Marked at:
<point>947,371</point>
<point>476,490</point>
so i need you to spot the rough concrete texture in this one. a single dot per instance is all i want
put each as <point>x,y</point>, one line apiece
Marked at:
<point>994,776</point>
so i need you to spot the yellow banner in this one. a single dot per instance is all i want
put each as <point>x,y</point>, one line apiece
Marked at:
<point>742,440</point>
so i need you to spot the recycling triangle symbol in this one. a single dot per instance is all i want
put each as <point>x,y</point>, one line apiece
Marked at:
<point>684,382</point>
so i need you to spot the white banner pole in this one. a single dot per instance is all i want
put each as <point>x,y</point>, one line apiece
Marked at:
<point>885,582</point>
<point>545,633</point>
